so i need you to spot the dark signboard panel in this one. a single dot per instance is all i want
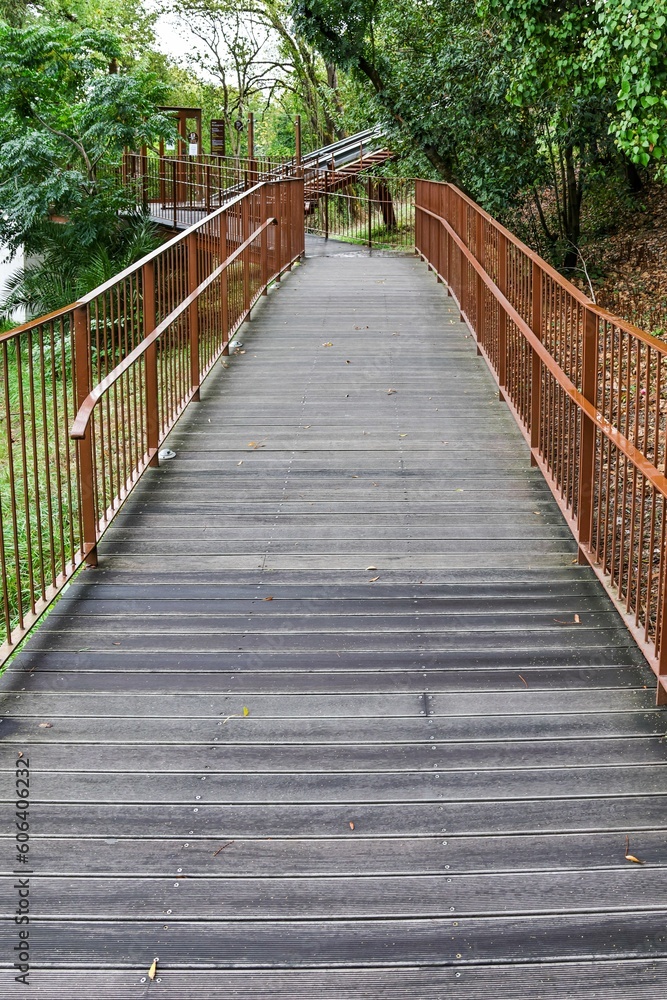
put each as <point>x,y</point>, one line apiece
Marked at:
<point>218,136</point>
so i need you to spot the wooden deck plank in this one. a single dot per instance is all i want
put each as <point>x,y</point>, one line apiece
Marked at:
<point>431,793</point>
<point>157,855</point>
<point>224,944</point>
<point>637,979</point>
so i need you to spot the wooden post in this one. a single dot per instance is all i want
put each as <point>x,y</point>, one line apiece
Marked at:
<point>85,445</point>
<point>326,204</point>
<point>193,316</point>
<point>536,366</point>
<point>152,410</point>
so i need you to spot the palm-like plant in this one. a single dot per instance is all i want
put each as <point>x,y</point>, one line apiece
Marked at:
<point>67,269</point>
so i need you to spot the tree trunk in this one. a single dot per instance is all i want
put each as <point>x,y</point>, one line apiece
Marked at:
<point>572,208</point>
<point>386,205</point>
<point>633,177</point>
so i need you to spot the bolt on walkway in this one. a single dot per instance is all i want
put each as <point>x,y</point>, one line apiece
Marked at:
<point>339,714</point>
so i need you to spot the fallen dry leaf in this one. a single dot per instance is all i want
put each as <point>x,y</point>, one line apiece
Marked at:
<point>246,711</point>
<point>402,435</point>
<point>371,567</point>
<point>521,677</point>
<point>390,392</point>
<point>240,463</point>
<point>351,825</point>
<point>328,344</point>
<point>46,725</point>
<point>577,620</point>
<point>153,969</point>
<point>255,444</point>
<point>268,598</point>
<point>631,857</point>
<point>373,579</point>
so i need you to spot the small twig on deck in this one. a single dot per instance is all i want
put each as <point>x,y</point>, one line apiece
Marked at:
<point>228,844</point>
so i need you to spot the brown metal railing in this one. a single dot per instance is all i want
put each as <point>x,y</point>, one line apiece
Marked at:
<point>588,390</point>
<point>182,189</point>
<point>369,211</point>
<point>122,363</point>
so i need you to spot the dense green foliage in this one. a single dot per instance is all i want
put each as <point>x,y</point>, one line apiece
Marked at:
<point>512,98</point>
<point>64,117</point>
<point>536,106</point>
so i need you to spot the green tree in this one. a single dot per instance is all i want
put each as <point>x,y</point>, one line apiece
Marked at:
<point>65,123</point>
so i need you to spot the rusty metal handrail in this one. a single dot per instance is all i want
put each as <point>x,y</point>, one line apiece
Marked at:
<point>586,389</point>
<point>80,424</point>
<point>125,359</point>
<point>637,458</point>
<point>572,290</point>
<point>131,269</point>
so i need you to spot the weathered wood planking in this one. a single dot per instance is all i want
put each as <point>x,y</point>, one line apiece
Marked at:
<point>449,731</point>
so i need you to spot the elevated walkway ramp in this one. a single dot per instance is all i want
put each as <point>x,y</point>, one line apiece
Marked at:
<point>339,714</point>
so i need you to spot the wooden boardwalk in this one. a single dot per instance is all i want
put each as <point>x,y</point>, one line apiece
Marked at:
<point>338,714</point>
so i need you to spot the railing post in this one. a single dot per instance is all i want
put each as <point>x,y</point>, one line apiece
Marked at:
<point>589,368</point>
<point>297,145</point>
<point>280,216</point>
<point>263,242</point>
<point>479,283</point>
<point>417,218</point>
<point>252,168</point>
<point>85,445</point>
<point>143,160</point>
<point>661,692</point>
<point>463,292</point>
<point>193,316</point>
<point>299,217</point>
<point>326,204</point>
<point>150,322</point>
<point>222,218</point>
<point>536,365</point>
<point>174,176</point>
<point>502,317</point>
<point>450,242</point>
<point>245,232</point>
<point>369,191</point>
